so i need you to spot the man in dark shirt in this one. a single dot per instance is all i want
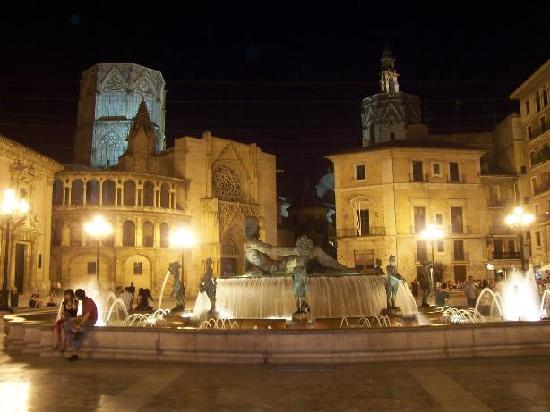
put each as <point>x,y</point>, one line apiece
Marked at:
<point>79,326</point>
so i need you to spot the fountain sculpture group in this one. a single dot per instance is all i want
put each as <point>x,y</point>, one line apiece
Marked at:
<point>271,272</point>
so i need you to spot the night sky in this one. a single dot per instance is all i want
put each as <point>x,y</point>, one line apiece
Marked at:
<point>289,78</point>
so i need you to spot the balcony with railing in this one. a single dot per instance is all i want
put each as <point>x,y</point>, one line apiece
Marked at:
<point>458,229</point>
<point>427,178</point>
<point>506,255</point>
<point>419,177</point>
<point>539,130</point>
<point>541,188</point>
<point>456,179</point>
<point>364,232</point>
<point>499,202</point>
<point>460,256</point>
<point>501,230</point>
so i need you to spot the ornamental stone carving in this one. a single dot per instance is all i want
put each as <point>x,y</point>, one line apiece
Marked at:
<point>226,184</point>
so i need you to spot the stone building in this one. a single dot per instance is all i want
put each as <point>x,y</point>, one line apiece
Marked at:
<point>31,175</point>
<point>387,194</point>
<point>405,178</point>
<point>533,96</point>
<point>208,184</point>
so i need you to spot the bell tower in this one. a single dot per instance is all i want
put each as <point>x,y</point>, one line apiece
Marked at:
<point>387,115</point>
<point>110,96</point>
<point>388,75</point>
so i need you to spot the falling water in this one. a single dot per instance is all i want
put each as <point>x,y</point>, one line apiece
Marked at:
<point>121,305</point>
<point>543,311</point>
<point>328,297</point>
<point>495,301</point>
<point>518,298</point>
<point>162,288</point>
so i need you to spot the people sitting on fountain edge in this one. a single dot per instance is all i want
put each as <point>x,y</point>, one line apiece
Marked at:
<point>78,327</point>
<point>145,301</point>
<point>68,310</point>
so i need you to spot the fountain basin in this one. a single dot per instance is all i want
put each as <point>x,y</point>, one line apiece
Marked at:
<point>295,345</point>
<point>328,296</point>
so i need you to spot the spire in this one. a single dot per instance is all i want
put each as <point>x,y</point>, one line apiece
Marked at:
<point>142,122</point>
<point>142,115</point>
<point>388,75</point>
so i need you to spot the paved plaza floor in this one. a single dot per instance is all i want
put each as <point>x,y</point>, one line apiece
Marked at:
<point>53,384</point>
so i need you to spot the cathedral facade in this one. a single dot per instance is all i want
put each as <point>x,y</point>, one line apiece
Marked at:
<point>208,185</point>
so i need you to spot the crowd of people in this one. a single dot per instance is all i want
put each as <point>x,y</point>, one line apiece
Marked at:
<point>472,289</point>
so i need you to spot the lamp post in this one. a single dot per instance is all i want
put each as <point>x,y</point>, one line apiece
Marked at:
<point>184,239</point>
<point>98,228</point>
<point>13,211</point>
<point>518,221</point>
<point>432,233</point>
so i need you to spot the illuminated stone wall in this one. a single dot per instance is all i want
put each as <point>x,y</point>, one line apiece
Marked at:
<point>30,174</point>
<point>390,195</point>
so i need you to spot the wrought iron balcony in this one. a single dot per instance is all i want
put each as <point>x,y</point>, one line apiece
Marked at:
<point>497,202</point>
<point>370,231</point>
<point>501,230</point>
<point>537,131</point>
<point>506,255</point>
<point>541,188</point>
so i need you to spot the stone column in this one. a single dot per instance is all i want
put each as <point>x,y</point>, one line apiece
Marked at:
<point>69,191</point>
<point>100,192</point>
<point>84,191</point>
<point>139,231</point>
<point>65,235</point>
<point>156,232</point>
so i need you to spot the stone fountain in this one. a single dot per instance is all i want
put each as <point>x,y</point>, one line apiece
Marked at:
<point>302,283</point>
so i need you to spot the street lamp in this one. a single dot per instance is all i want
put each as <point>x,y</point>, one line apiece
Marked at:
<point>519,220</point>
<point>13,211</point>
<point>433,233</point>
<point>98,228</point>
<point>184,239</point>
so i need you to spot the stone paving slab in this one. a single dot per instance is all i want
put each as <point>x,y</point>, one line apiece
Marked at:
<point>43,384</point>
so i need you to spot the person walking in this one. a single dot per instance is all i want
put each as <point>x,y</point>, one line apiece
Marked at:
<point>78,327</point>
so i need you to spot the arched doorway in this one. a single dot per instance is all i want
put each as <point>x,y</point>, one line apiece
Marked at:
<point>137,270</point>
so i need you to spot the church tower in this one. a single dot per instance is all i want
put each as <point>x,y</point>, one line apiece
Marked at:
<point>388,115</point>
<point>110,96</point>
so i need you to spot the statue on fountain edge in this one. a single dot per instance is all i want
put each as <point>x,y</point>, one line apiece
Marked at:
<point>426,282</point>
<point>178,291</point>
<point>393,280</point>
<point>208,285</point>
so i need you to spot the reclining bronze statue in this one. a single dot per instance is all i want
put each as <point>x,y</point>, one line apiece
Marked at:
<point>264,259</point>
